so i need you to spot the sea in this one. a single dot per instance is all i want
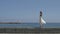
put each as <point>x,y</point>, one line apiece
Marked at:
<point>30,25</point>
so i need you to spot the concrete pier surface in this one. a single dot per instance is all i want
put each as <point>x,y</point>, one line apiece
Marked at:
<point>29,33</point>
<point>25,30</point>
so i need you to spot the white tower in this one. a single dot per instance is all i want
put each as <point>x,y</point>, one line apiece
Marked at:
<point>41,20</point>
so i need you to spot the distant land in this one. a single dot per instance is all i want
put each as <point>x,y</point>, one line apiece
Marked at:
<point>10,22</point>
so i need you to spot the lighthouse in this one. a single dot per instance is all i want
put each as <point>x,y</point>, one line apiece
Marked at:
<point>41,20</point>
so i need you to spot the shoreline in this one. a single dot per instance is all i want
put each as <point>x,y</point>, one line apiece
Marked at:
<point>26,30</point>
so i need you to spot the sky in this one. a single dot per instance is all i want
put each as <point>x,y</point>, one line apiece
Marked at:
<point>28,10</point>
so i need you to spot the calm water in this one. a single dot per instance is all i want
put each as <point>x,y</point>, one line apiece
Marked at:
<point>30,25</point>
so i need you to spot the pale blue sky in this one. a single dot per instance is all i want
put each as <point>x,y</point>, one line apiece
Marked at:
<point>28,10</point>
